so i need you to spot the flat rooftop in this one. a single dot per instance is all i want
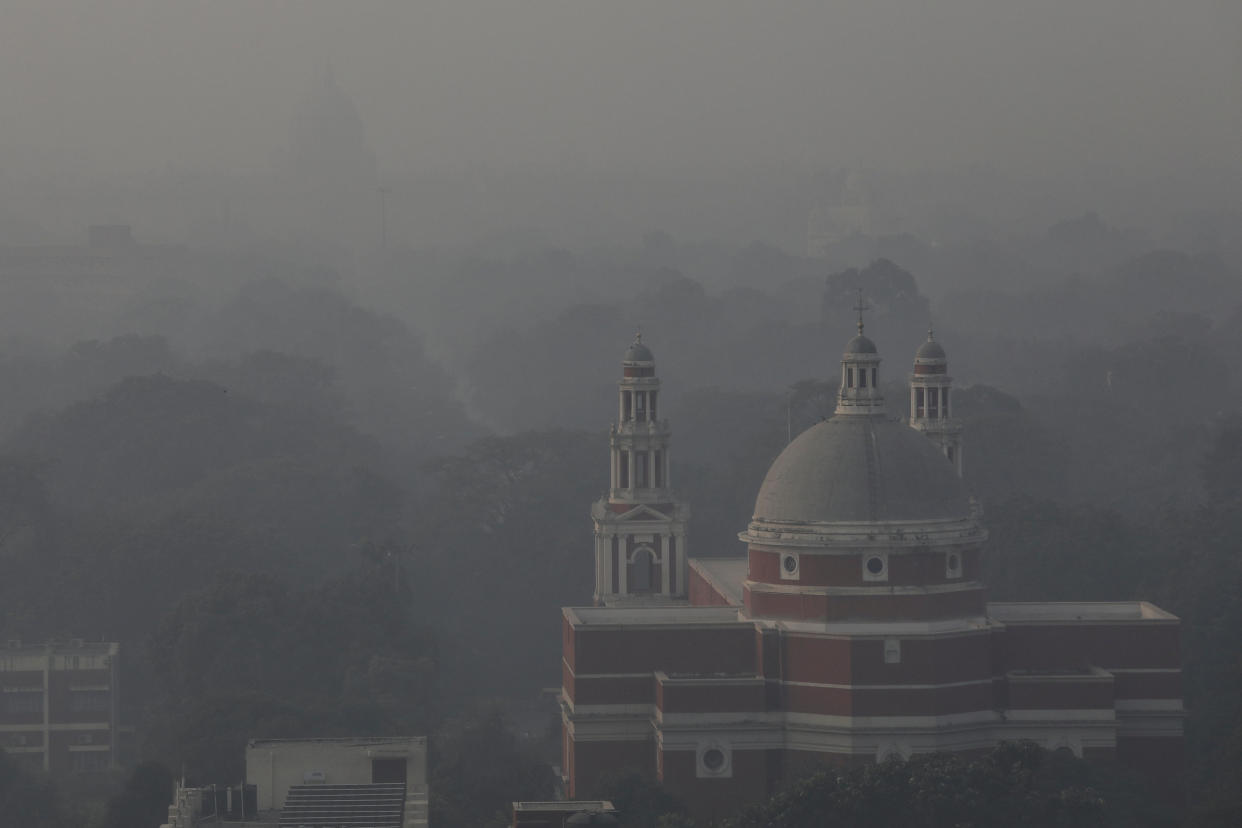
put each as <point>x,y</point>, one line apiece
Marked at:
<point>413,741</point>
<point>724,574</point>
<point>938,626</point>
<point>71,647</point>
<point>565,805</point>
<point>650,616</point>
<point>1077,611</point>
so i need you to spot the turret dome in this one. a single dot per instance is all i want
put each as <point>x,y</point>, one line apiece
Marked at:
<point>931,349</point>
<point>638,352</point>
<point>860,345</point>
<point>930,357</point>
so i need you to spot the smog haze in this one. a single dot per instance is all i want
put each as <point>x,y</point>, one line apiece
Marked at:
<point>134,86</point>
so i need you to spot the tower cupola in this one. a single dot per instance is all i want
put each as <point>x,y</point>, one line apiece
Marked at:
<point>860,374</point>
<point>638,413</point>
<point>930,410</point>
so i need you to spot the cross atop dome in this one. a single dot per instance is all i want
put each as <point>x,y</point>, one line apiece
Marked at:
<point>860,307</point>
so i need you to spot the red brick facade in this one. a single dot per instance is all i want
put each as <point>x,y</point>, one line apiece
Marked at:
<point>781,697</point>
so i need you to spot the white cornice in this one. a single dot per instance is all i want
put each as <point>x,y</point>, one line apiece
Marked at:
<point>856,536</point>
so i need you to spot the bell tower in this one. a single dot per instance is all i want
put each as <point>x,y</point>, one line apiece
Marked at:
<point>929,401</point>
<point>640,527</point>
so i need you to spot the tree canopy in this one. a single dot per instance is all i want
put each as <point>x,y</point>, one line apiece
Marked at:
<point>1015,784</point>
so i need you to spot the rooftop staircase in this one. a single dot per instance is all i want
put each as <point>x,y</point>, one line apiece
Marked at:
<point>344,806</point>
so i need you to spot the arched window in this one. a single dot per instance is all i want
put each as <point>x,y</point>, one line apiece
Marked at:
<point>644,572</point>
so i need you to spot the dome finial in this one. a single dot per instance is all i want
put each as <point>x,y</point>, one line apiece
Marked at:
<point>860,307</point>
<point>930,334</point>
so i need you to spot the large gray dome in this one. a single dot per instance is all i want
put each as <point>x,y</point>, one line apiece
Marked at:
<point>861,468</point>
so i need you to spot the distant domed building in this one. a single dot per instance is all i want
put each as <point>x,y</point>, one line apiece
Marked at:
<point>327,139</point>
<point>846,205</point>
<point>328,171</point>
<point>856,627</point>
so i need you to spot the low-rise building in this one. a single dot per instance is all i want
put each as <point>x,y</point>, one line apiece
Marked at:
<point>321,780</point>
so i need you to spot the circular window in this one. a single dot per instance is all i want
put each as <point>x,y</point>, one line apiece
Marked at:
<point>954,562</point>
<point>875,565</point>
<point>713,759</point>
<point>790,563</point>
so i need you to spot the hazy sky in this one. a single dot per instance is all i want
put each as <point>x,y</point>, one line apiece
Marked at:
<point>129,85</point>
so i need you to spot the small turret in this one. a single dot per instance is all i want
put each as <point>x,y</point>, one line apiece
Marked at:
<point>930,410</point>
<point>860,373</point>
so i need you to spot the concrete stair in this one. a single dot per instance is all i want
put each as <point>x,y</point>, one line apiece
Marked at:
<point>344,806</point>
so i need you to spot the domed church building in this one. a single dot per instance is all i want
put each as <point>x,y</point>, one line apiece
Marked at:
<point>856,627</point>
